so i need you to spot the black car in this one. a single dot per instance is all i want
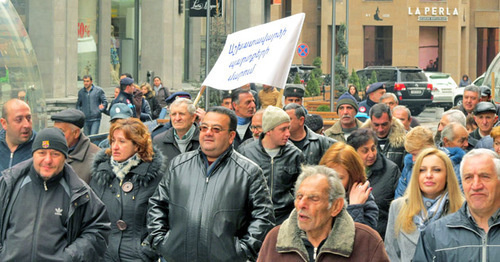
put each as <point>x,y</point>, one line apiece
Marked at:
<point>409,84</point>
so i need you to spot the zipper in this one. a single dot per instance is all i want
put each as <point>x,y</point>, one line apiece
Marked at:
<point>272,178</point>
<point>35,228</point>
<point>315,253</point>
<point>11,158</point>
<point>45,185</point>
<point>484,246</point>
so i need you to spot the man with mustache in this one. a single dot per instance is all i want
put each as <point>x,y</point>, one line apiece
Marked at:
<point>244,106</point>
<point>17,135</point>
<point>319,228</point>
<point>347,108</point>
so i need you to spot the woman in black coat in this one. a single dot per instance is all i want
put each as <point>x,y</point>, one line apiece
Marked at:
<point>124,176</point>
<point>149,95</point>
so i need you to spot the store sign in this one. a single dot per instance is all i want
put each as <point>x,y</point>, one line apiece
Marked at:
<point>198,8</point>
<point>433,11</point>
<point>433,18</point>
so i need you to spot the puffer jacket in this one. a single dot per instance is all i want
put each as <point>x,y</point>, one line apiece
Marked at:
<point>127,244</point>
<point>347,241</point>
<point>394,149</point>
<point>88,223</point>
<point>335,132</point>
<point>383,176</point>
<point>315,146</point>
<point>457,238</point>
<point>280,172</point>
<point>220,212</point>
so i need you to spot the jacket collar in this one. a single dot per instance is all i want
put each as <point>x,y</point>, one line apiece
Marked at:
<point>397,134</point>
<point>340,241</point>
<point>80,150</point>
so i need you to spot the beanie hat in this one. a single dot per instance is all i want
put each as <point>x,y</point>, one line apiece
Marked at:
<point>314,122</point>
<point>347,98</point>
<point>273,117</point>
<point>50,138</point>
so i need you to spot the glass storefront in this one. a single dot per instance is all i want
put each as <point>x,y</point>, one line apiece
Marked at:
<point>87,40</point>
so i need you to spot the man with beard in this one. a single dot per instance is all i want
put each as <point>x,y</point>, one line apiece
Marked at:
<point>347,108</point>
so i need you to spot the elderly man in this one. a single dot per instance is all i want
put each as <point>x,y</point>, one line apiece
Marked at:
<point>92,102</point>
<point>390,100</point>
<point>450,116</point>
<point>213,204</point>
<point>390,133</point>
<point>279,159</point>
<point>347,108</point>
<point>404,115</point>
<point>81,150</point>
<point>319,228</point>
<point>48,213</point>
<point>485,116</point>
<point>473,232</point>
<point>472,96</point>
<point>455,135</point>
<point>17,134</point>
<point>255,127</point>
<point>312,145</point>
<point>244,106</point>
<point>183,137</point>
<point>374,92</point>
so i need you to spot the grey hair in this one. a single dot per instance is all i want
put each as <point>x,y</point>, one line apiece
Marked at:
<point>473,88</point>
<point>260,111</point>
<point>298,110</point>
<point>397,108</point>
<point>335,188</point>
<point>182,100</point>
<point>482,152</point>
<point>387,95</point>
<point>455,116</point>
<point>449,130</point>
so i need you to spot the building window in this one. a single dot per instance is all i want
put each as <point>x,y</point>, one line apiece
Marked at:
<point>87,40</point>
<point>487,47</point>
<point>377,45</point>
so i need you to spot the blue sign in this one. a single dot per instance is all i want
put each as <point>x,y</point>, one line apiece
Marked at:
<point>303,50</point>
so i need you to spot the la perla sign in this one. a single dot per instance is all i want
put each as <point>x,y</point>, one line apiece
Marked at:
<point>435,11</point>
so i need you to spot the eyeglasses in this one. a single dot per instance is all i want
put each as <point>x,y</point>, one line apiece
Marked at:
<point>215,129</point>
<point>255,128</point>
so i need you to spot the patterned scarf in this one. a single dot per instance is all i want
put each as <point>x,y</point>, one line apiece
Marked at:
<point>122,168</point>
<point>434,211</point>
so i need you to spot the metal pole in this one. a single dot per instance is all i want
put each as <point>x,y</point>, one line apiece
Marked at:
<point>347,39</point>
<point>234,16</point>
<point>332,73</point>
<point>207,54</point>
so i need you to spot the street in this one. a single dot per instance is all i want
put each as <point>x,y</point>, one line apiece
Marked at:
<point>430,117</point>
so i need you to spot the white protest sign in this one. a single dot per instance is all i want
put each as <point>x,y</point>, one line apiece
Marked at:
<point>260,54</point>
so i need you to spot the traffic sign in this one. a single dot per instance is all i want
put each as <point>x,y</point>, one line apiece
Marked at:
<point>303,50</point>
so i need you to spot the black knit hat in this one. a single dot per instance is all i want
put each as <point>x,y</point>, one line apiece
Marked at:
<point>50,138</point>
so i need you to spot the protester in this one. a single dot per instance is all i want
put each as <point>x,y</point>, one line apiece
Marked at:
<point>450,116</point>
<point>472,95</point>
<point>315,123</point>
<point>455,135</point>
<point>485,116</point>
<point>152,101</point>
<point>320,229</point>
<point>47,212</point>
<point>161,91</point>
<point>347,107</point>
<point>351,172</point>
<point>92,102</point>
<point>244,107</point>
<point>389,99</point>
<point>213,193</point>
<point>432,193</point>
<point>353,91</point>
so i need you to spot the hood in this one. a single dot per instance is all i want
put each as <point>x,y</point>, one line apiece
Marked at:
<point>396,135</point>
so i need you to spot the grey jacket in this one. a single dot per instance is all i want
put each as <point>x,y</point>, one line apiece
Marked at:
<point>458,238</point>
<point>88,102</point>
<point>166,143</point>
<point>315,146</point>
<point>82,157</point>
<point>280,172</point>
<point>336,132</point>
<point>220,212</point>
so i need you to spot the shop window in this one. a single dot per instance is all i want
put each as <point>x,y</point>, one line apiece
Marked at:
<point>377,45</point>
<point>87,40</point>
<point>430,48</point>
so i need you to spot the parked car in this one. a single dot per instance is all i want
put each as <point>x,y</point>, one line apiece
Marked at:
<point>409,84</point>
<point>479,80</point>
<point>444,89</point>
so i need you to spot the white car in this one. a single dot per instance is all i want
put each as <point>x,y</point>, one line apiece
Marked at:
<point>445,90</point>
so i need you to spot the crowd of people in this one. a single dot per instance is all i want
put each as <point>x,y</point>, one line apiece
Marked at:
<point>256,178</point>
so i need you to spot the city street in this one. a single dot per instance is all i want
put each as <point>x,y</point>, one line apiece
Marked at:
<point>430,117</point>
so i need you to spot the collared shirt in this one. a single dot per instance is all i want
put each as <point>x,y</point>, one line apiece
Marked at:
<point>491,220</point>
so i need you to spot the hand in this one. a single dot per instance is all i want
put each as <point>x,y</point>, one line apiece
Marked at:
<point>359,193</point>
<point>200,113</point>
<point>101,106</point>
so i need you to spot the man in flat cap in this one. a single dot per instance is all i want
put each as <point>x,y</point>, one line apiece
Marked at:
<point>485,115</point>
<point>47,213</point>
<point>81,150</point>
<point>374,93</point>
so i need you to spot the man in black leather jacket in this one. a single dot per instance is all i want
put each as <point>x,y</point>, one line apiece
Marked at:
<point>213,204</point>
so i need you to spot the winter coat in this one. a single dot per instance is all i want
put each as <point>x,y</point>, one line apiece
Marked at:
<point>161,95</point>
<point>394,149</point>
<point>315,146</point>
<point>140,110</point>
<point>280,172</point>
<point>87,225</point>
<point>366,213</point>
<point>383,176</point>
<point>153,104</point>
<point>127,205</point>
<point>457,238</point>
<point>165,142</point>
<point>335,131</point>
<point>237,140</point>
<point>220,212</point>
<point>365,106</point>
<point>82,157</point>
<point>88,102</point>
<point>347,241</point>
<point>22,152</point>
<point>269,98</point>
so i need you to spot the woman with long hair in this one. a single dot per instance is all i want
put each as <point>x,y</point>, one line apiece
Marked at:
<point>432,193</point>
<point>346,161</point>
<point>149,95</point>
<point>124,176</point>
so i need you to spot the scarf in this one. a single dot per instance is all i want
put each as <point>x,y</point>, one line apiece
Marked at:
<point>435,209</point>
<point>243,121</point>
<point>122,168</point>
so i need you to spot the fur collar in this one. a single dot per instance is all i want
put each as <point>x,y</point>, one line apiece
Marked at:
<point>396,135</point>
<point>340,241</point>
<point>144,173</point>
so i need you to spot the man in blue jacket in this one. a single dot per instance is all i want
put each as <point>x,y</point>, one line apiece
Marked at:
<point>92,102</point>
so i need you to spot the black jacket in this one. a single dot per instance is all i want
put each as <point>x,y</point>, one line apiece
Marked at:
<point>153,104</point>
<point>237,140</point>
<point>88,223</point>
<point>220,212</point>
<point>131,207</point>
<point>315,146</point>
<point>280,172</point>
<point>166,143</point>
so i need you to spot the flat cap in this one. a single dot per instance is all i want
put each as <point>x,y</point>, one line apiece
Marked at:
<point>294,90</point>
<point>374,87</point>
<point>485,107</point>
<point>485,90</point>
<point>71,116</point>
<point>180,94</point>
<point>126,81</point>
<point>120,111</point>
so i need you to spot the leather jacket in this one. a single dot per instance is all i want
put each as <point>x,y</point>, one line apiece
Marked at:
<point>315,146</point>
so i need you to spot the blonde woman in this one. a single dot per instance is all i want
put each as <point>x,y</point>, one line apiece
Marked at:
<point>149,95</point>
<point>432,193</point>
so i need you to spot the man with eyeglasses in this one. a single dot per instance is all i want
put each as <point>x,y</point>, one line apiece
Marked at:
<point>212,204</point>
<point>390,133</point>
<point>279,159</point>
